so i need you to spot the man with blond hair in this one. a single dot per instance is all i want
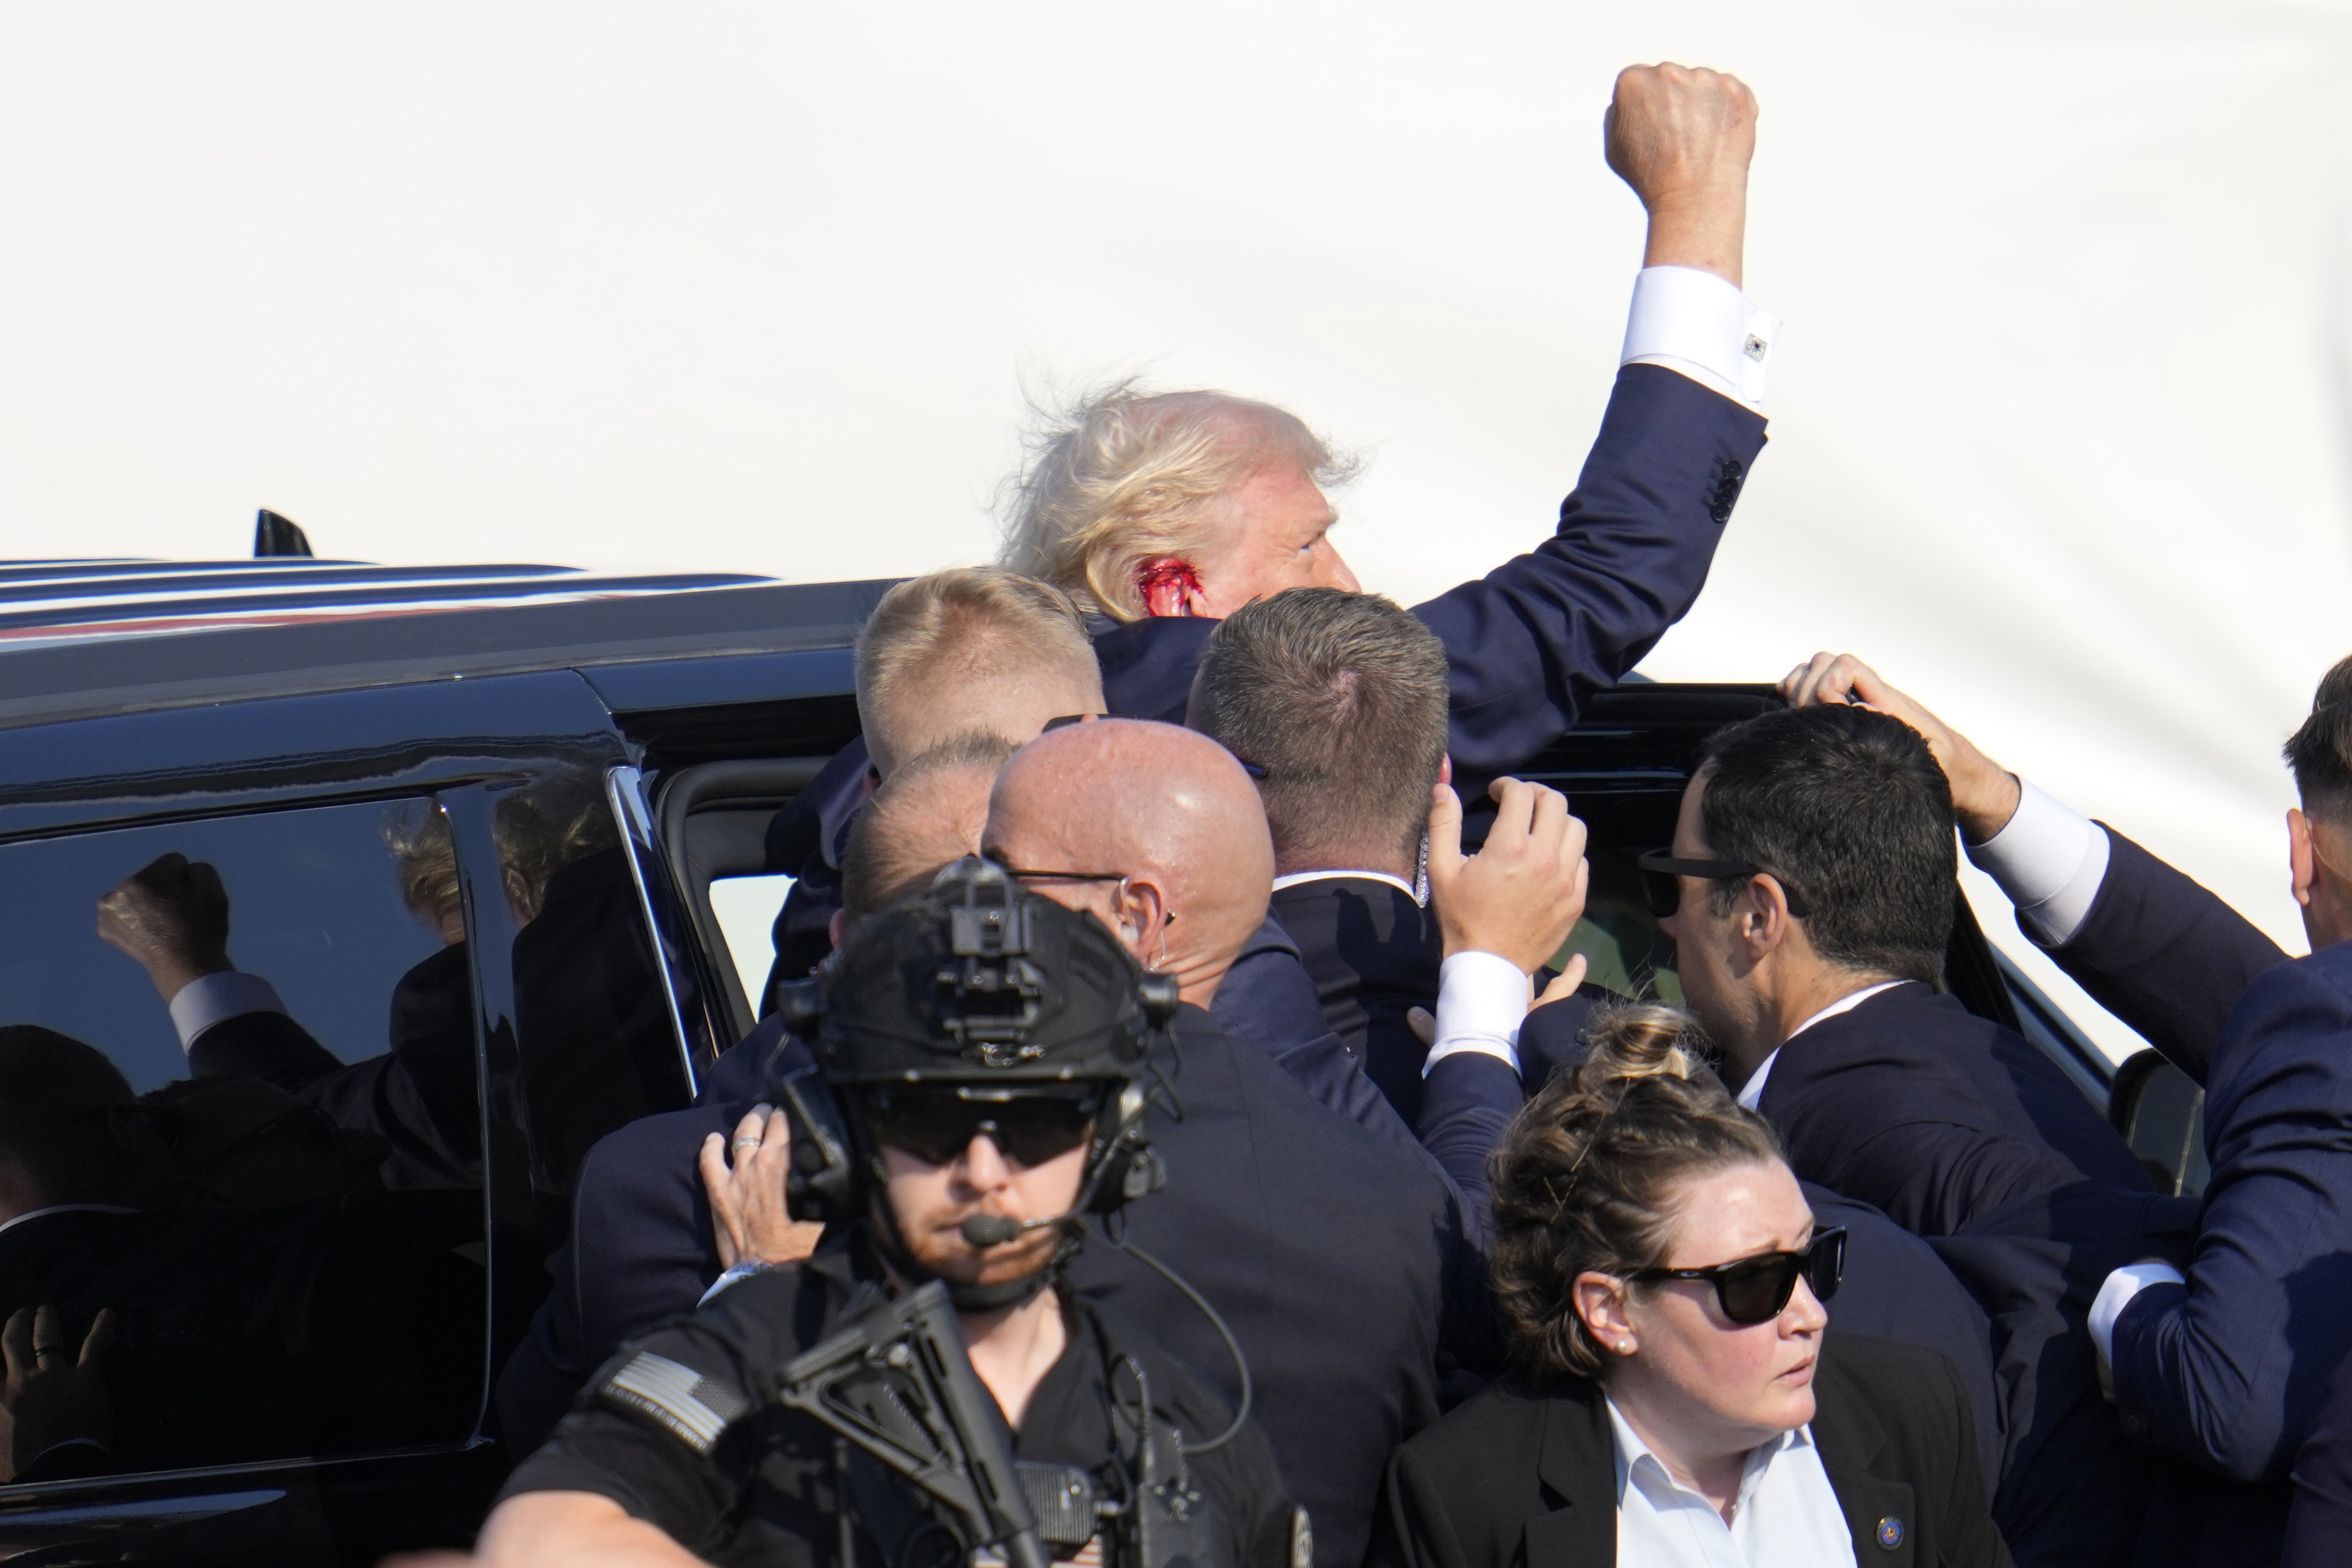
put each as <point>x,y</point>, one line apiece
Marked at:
<point>970,650</point>
<point>1163,514</point>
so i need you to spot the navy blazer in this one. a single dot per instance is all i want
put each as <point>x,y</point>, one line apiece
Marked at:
<point>2229,1369</point>
<point>1344,1270</point>
<point>1962,1132</point>
<point>2164,954</point>
<point>1913,1104</point>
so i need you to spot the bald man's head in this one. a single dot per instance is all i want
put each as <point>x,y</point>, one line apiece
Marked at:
<point>927,814</point>
<point>1168,810</point>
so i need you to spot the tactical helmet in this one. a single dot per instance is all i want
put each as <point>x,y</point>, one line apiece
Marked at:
<point>976,980</point>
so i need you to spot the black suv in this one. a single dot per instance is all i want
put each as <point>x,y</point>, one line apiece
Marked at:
<point>475,828</point>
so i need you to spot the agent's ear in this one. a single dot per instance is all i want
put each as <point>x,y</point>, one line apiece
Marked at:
<point>2303,862</point>
<point>836,928</point>
<point>1765,922</point>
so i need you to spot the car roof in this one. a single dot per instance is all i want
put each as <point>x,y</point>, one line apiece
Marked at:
<point>80,638</point>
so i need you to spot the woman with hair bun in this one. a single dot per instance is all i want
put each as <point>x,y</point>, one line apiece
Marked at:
<point>1672,1399</point>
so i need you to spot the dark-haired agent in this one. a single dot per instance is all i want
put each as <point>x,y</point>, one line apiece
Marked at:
<point>1673,1400</point>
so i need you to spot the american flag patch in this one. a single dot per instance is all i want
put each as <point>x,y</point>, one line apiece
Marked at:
<point>691,1406</point>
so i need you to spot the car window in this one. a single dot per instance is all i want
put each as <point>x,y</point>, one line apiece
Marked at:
<point>599,1036</point>
<point>746,907</point>
<point>1619,936</point>
<point>239,1119</point>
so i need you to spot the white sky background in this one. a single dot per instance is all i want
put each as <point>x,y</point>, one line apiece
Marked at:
<point>2061,415</point>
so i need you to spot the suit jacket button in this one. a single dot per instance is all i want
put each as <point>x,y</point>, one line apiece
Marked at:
<point>1890,1532</point>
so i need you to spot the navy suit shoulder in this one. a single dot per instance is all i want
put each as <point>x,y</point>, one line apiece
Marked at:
<point>1343,1270</point>
<point>2164,954</point>
<point>1268,1000</point>
<point>1373,954</point>
<point>1896,1288</point>
<point>1935,1116</point>
<point>2230,1369</point>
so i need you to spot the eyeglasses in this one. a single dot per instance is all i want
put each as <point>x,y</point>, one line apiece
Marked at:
<point>935,1125</point>
<point>1755,1290</point>
<point>1662,886</point>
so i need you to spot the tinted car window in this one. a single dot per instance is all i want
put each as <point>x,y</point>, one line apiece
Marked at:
<point>599,1043</point>
<point>239,1117</point>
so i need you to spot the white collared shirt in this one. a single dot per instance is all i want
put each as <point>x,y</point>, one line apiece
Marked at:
<point>1703,327</point>
<point>214,999</point>
<point>1752,1092</point>
<point>1786,1515</point>
<point>2049,860</point>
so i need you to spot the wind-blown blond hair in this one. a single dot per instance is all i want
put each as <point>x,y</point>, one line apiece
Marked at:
<point>1127,476</point>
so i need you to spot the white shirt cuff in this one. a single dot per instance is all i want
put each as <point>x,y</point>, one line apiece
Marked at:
<point>2116,1295</point>
<point>209,1000</point>
<point>2049,860</point>
<point>1701,325</point>
<point>1482,1000</point>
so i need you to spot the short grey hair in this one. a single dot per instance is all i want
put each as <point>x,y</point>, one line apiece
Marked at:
<point>1342,698</point>
<point>1124,477</point>
<point>888,856</point>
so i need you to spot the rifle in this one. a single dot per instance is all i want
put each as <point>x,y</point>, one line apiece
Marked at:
<point>895,1382</point>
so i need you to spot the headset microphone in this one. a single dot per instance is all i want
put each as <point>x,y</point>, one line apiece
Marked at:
<point>995,1230</point>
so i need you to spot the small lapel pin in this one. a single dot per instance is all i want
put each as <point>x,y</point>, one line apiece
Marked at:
<point>1890,1532</point>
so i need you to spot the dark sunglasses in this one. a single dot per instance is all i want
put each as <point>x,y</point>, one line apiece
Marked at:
<point>1662,876</point>
<point>935,1125</point>
<point>1756,1289</point>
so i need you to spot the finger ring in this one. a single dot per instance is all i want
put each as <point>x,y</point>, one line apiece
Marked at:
<point>747,1143</point>
<point>39,1351</point>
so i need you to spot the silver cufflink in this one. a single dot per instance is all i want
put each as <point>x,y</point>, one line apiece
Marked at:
<point>1756,348</point>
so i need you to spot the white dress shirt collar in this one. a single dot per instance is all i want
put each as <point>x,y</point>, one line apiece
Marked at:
<point>1295,878</point>
<point>1752,1092</point>
<point>1786,1513</point>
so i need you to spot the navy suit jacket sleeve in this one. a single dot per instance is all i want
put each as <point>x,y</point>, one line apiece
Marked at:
<point>1467,1102</point>
<point>2165,955</point>
<point>1530,640</point>
<point>2229,1369</point>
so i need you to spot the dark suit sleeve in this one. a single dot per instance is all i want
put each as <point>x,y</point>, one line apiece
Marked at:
<point>1466,1103</point>
<point>2229,1369</point>
<point>2319,1525</point>
<point>2165,955</point>
<point>268,1046</point>
<point>1533,638</point>
<point>1933,1177</point>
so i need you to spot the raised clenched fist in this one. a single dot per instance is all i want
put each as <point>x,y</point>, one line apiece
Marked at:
<point>1681,137</point>
<point>172,914</point>
<point>1671,127</point>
